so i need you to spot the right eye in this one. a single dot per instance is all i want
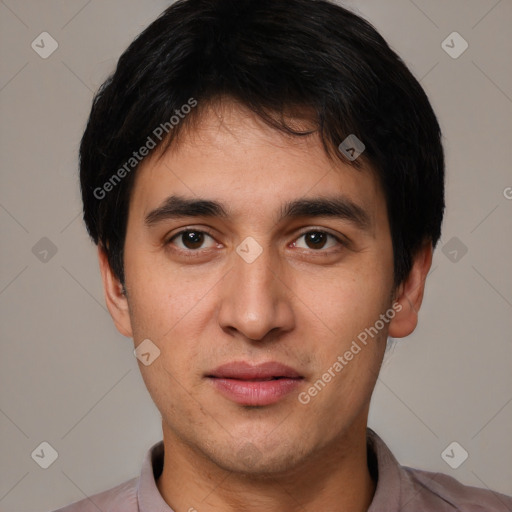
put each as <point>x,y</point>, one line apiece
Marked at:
<point>190,240</point>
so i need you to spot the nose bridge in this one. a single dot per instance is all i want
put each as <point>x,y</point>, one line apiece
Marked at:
<point>254,301</point>
<point>256,277</point>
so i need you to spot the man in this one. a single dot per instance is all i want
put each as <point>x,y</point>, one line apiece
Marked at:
<point>265,183</point>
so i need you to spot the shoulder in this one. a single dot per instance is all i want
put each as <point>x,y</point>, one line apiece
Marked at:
<point>122,497</point>
<point>447,493</point>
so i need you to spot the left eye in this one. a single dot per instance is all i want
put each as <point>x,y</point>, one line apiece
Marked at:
<point>192,240</point>
<point>317,240</point>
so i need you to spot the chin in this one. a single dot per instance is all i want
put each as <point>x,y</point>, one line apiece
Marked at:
<point>258,462</point>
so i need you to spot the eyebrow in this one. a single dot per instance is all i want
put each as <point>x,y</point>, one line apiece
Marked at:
<point>175,207</point>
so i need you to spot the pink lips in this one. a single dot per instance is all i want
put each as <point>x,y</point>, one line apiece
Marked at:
<point>262,384</point>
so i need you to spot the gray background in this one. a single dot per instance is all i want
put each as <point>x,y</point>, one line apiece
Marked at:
<point>68,378</point>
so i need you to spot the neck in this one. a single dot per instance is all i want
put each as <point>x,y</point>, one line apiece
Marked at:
<point>336,478</point>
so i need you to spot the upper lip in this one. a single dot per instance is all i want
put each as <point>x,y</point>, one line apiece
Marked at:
<point>243,370</point>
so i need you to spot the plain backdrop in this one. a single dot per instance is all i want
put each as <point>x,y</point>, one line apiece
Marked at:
<point>69,379</point>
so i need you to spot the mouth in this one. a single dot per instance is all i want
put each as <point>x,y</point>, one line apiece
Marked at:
<point>254,385</point>
<point>250,380</point>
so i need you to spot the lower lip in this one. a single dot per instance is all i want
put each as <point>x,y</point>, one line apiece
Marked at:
<point>245,392</point>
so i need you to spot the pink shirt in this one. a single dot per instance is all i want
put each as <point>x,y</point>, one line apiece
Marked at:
<point>399,489</point>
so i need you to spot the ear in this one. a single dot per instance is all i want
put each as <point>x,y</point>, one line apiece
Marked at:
<point>116,300</point>
<point>409,295</point>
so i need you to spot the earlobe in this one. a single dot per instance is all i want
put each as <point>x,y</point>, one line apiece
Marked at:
<point>409,294</point>
<point>115,296</point>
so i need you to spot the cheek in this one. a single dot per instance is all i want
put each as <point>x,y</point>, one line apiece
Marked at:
<point>161,296</point>
<point>172,309</point>
<point>343,302</point>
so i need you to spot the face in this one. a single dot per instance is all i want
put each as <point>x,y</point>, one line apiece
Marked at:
<point>289,267</point>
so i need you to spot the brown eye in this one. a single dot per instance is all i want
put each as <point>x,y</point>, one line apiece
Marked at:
<point>191,240</point>
<point>317,240</point>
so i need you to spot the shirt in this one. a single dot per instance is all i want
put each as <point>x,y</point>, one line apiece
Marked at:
<point>398,489</point>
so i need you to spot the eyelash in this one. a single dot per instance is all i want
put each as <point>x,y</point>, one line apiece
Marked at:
<point>194,252</point>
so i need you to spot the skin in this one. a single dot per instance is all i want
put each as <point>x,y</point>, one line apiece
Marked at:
<point>298,303</point>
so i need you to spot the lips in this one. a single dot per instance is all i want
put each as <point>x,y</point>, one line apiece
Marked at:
<point>254,385</point>
<point>245,371</point>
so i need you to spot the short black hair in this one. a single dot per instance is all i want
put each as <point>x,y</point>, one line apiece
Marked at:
<point>278,58</point>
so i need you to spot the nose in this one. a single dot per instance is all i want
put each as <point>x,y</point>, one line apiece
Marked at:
<point>255,298</point>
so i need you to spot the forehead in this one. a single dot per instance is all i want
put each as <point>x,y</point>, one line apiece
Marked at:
<point>231,155</point>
